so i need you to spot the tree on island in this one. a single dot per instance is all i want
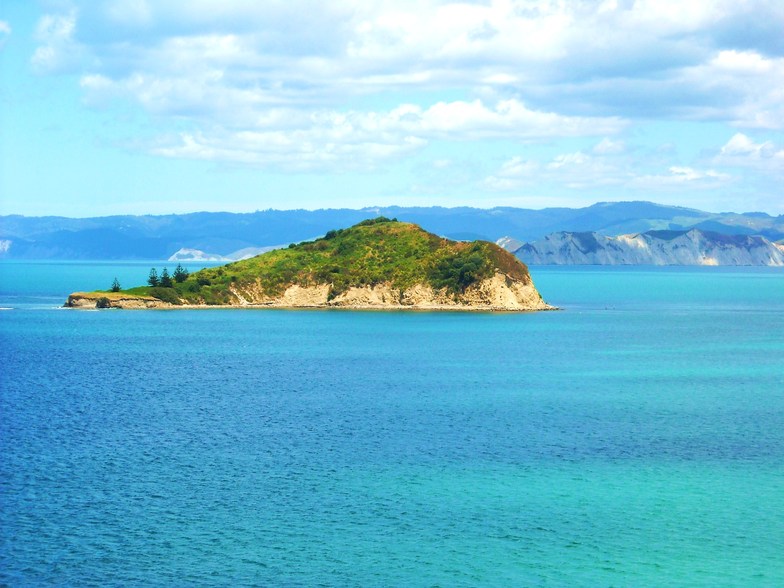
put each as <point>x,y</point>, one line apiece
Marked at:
<point>180,274</point>
<point>116,286</point>
<point>153,279</point>
<point>165,281</point>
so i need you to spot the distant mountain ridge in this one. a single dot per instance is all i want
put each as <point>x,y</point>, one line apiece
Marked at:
<point>222,234</point>
<point>692,247</point>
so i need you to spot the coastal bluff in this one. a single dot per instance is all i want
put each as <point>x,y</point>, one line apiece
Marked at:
<point>692,247</point>
<point>376,264</point>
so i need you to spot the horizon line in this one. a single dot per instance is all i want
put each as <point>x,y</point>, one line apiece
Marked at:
<point>388,206</point>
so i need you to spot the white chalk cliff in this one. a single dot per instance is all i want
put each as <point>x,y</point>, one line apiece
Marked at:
<point>693,247</point>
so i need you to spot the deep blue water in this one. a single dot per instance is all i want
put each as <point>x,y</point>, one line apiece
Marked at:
<point>635,438</point>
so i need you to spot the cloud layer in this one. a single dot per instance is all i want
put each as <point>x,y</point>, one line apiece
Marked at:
<point>350,84</point>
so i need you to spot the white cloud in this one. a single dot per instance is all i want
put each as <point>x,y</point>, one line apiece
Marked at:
<point>5,28</point>
<point>680,176</point>
<point>224,107</point>
<point>245,72</point>
<point>303,140</point>
<point>5,32</point>
<point>517,167</point>
<point>507,119</point>
<point>742,152</point>
<point>742,146</point>
<point>748,89</point>
<point>310,150</point>
<point>569,160</point>
<point>56,28</point>
<point>742,62</point>
<point>688,174</point>
<point>608,146</point>
<point>554,52</point>
<point>513,174</point>
<point>580,170</point>
<point>501,184</point>
<point>574,170</point>
<point>58,50</point>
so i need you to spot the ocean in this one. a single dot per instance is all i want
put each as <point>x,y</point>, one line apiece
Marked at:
<point>634,438</point>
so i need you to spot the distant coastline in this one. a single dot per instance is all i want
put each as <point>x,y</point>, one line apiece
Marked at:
<point>693,247</point>
<point>230,237</point>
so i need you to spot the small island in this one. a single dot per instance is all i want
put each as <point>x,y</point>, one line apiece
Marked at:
<point>376,264</point>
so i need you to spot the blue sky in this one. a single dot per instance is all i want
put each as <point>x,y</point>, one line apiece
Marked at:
<point>135,106</point>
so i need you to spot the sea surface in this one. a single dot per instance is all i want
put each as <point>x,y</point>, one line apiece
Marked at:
<point>635,438</point>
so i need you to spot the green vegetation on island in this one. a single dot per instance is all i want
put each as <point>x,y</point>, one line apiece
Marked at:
<point>377,251</point>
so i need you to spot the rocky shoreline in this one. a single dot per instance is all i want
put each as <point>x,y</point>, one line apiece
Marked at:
<point>497,293</point>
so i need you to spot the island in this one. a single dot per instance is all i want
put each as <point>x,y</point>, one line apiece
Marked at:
<point>376,264</point>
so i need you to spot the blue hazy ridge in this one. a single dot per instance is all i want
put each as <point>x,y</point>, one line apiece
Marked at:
<point>634,439</point>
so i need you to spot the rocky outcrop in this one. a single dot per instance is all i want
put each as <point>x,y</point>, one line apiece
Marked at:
<point>113,300</point>
<point>496,293</point>
<point>693,247</point>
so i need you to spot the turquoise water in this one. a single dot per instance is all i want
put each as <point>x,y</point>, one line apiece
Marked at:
<point>634,439</point>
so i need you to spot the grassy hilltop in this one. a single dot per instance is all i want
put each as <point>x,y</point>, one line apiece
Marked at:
<point>377,251</point>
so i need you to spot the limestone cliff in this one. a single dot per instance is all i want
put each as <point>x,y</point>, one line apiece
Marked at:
<point>693,247</point>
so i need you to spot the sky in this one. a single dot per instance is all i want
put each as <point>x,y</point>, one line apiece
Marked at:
<point>150,107</point>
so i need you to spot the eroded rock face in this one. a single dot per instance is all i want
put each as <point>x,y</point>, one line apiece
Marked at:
<point>502,293</point>
<point>693,247</point>
<point>498,293</point>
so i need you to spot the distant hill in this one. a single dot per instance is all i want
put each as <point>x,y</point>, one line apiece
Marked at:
<point>692,247</point>
<point>224,235</point>
<point>378,263</point>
